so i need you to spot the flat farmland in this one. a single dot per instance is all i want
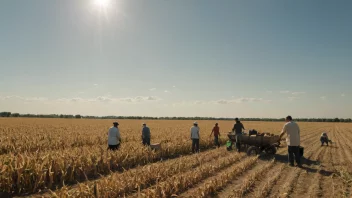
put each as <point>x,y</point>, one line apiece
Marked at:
<point>69,158</point>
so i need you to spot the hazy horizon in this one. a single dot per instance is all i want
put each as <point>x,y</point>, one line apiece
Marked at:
<point>177,58</point>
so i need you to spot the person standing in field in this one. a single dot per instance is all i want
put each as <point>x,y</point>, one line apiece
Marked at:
<point>216,131</point>
<point>195,137</point>
<point>145,135</point>
<point>237,128</point>
<point>292,130</point>
<point>114,137</point>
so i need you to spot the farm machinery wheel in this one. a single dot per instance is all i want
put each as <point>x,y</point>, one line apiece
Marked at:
<point>271,150</point>
<point>253,150</point>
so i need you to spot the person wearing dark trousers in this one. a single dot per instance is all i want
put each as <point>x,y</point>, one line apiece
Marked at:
<point>145,135</point>
<point>237,128</point>
<point>114,137</point>
<point>292,130</point>
<point>216,131</point>
<point>294,155</point>
<point>195,137</point>
<point>324,139</point>
<point>114,147</point>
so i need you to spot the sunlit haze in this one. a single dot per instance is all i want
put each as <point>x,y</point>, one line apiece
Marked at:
<point>102,3</point>
<point>177,58</point>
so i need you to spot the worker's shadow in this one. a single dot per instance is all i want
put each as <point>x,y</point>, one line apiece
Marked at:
<point>307,164</point>
<point>284,159</point>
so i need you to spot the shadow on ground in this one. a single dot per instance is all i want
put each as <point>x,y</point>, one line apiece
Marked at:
<point>307,163</point>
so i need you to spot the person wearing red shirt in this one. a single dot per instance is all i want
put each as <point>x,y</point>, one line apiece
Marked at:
<point>216,131</point>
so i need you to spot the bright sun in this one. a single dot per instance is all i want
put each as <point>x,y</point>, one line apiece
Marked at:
<point>107,9</point>
<point>102,3</point>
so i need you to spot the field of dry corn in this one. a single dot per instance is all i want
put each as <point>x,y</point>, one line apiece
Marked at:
<point>69,158</point>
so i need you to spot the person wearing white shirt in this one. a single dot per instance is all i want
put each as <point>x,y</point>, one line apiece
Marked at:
<point>292,130</point>
<point>195,137</point>
<point>114,137</point>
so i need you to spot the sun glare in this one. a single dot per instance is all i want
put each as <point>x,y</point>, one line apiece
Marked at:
<point>102,3</point>
<point>105,10</point>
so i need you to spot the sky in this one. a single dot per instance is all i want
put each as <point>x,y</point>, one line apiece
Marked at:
<point>228,58</point>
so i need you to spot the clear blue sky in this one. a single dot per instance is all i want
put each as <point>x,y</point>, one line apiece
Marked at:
<point>177,58</point>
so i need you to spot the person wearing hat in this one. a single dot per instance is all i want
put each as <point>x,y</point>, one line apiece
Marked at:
<point>216,131</point>
<point>114,137</point>
<point>237,128</point>
<point>195,137</point>
<point>145,135</point>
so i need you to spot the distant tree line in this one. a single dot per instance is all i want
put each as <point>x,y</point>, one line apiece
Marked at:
<point>9,114</point>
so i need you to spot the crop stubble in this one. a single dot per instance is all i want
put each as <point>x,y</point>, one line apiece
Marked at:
<point>33,152</point>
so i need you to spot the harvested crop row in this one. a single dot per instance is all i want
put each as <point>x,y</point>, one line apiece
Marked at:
<point>283,183</point>
<point>345,173</point>
<point>37,143</point>
<point>248,183</point>
<point>316,178</point>
<point>346,143</point>
<point>142,177</point>
<point>264,191</point>
<point>311,138</point>
<point>223,178</point>
<point>292,181</point>
<point>338,166</point>
<point>181,182</point>
<point>30,173</point>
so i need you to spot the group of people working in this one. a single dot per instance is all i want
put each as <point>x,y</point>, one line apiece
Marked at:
<point>237,128</point>
<point>114,136</point>
<point>291,129</point>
